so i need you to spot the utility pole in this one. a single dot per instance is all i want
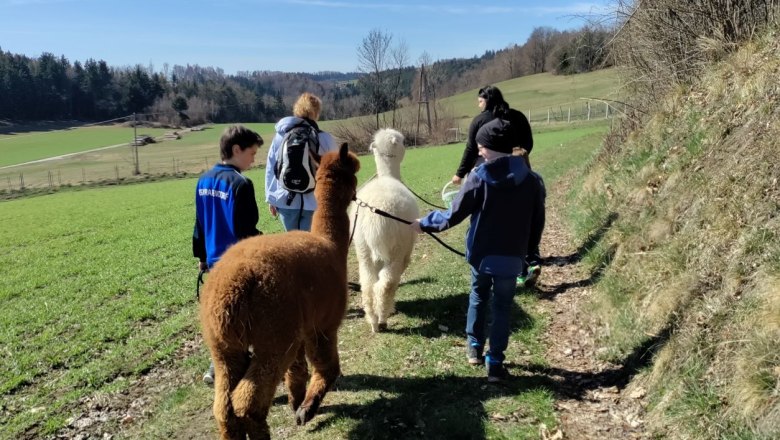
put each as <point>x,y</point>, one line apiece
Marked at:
<point>136,170</point>
<point>422,98</point>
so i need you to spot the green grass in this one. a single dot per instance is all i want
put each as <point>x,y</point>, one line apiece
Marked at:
<point>31,146</point>
<point>98,290</point>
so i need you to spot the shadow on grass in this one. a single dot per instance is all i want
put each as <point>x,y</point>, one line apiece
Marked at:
<point>574,384</point>
<point>590,242</point>
<point>444,407</point>
<point>453,407</point>
<point>446,315</point>
<point>576,257</point>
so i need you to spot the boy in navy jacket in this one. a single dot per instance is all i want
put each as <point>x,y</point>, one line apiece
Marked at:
<point>500,196</point>
<point>225,205</point>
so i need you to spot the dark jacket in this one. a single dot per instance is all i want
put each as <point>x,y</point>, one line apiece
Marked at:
<point>225,212</point>
<point>522,134</point>
<point>500,196</point>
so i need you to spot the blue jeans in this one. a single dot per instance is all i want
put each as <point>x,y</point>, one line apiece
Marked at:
<point>503,293</point>
<point>290,217</point>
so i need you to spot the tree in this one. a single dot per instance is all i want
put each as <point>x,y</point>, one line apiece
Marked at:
<point>373,62</point>
<point>540,43</point>
<point>179,104</point>
<point>400,60</point>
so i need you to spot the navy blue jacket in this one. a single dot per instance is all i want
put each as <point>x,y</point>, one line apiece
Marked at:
<point>225,212</point>
<point>500,196</point>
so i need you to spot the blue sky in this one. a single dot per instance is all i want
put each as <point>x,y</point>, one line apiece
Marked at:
<point>283,35</point>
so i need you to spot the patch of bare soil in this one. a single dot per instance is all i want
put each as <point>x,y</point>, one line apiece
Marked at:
<point>592,398</point>
<point>111,415</point>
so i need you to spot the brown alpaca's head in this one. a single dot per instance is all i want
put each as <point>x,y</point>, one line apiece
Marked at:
<point>336,176</point>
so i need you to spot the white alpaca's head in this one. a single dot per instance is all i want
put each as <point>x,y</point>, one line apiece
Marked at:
<point>388,146</point>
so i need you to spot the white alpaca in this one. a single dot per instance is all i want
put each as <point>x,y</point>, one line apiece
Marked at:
<point>383,245</point>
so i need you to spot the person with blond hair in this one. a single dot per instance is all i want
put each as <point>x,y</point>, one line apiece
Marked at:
<point>306,112</point>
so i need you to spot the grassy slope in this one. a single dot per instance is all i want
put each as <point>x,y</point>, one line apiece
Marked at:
<point>535,94</point>
<point>684,214</point>
<point>98,289</point>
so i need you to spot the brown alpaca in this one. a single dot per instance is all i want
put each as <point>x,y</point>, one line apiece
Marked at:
<point>282,297</point>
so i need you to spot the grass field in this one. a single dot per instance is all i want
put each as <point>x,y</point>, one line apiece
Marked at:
<point>98,290</point>
<point>197,151</point>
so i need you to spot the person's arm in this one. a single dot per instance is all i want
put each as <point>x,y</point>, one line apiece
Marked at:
<point>524,134</point>
<point>270,171</point>
<point>199,239</point>
<point>245,214</point>
<point>470,153</point>
<point>327,143</point>
<point>468,199</point>
<point>199,242</point>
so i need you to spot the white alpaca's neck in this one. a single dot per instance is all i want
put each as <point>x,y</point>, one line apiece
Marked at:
<point>387,167</point>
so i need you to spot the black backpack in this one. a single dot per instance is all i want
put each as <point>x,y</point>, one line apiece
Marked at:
<point>298,159</point>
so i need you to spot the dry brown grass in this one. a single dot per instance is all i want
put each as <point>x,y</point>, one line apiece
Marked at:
<point>697,241</point>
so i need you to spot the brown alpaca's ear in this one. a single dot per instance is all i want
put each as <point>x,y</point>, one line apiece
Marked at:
<point>344,152</point>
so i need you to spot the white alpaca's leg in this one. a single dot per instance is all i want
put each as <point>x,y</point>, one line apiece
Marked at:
<point>384,293</point>
<point>368,279</point>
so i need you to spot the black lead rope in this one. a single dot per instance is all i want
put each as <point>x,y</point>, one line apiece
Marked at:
<point>388,215</point>
<point>425,201</point>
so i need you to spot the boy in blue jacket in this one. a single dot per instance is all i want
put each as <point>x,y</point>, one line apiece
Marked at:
<point>225,205</point>
<point>500,196</point>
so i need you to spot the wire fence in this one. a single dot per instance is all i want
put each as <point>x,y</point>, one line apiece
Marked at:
<point>578,111</point>
<point>130,167</point>
<point>102,174</point>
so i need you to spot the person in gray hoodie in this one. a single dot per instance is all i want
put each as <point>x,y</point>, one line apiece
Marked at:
<point>306,110</point>
<point>500,197</point>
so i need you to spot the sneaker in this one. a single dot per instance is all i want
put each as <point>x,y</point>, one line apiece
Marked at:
<point>530,278</point>
<point>496,372</point>
<point>208,376</point>
<point>474,355</point>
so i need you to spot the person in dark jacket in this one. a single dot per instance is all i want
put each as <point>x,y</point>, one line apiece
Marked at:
<point>492,105</point>
<point>500,197</point>
<point>225,205</point>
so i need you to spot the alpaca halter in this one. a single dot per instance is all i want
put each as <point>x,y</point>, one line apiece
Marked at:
<point>362,204</point>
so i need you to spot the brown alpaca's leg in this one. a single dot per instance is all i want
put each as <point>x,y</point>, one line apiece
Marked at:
<point>295,378</point>
<point>323,355</point>
<point>254,393</point>
<point>229,368</point>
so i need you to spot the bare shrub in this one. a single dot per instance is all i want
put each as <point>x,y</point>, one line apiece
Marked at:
<point>358,132</point>
<point>664,43</point>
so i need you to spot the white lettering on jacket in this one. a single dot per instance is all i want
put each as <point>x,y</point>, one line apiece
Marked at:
<point>213,193</point>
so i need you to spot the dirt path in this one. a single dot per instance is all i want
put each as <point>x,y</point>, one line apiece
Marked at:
<point>592,399</point>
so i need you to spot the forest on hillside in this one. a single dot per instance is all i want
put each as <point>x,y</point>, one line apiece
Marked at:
<point>50,87</point>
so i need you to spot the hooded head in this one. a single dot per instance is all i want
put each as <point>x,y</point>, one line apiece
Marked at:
<point>496,135</point>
